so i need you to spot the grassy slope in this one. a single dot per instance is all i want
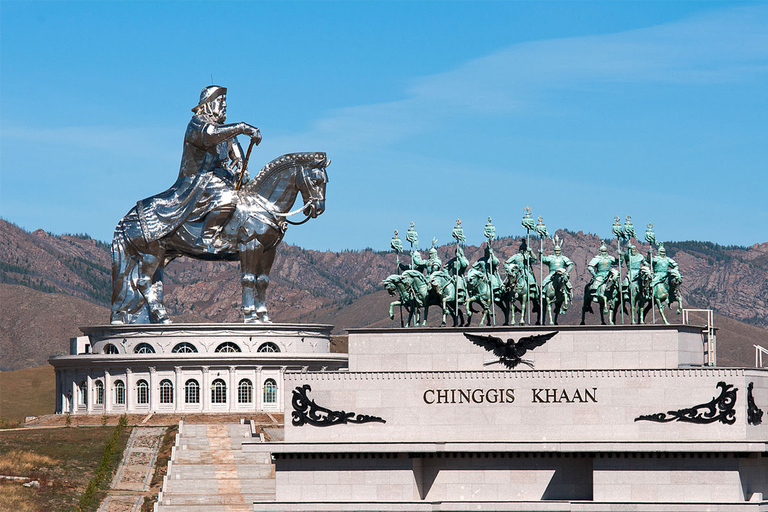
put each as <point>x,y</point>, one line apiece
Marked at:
<point>27,392</point>
<point>63,460</point>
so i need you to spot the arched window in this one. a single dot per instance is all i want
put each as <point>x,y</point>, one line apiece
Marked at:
<point>270,391</point>
<point>82,396</point>
<point>142,392</point>
<point>228,347</point>
<point>144,348</point>
<point>119,392</point>
<point>268,347</point>
<point>99,392</point>
<point>166,392</point>
<point>110,349</point>
<point>184,348</point>
<point>245,392</point>
<point>218,392</point>
<point>192,392</point>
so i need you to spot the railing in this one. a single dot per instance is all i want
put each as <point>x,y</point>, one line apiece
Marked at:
<point>710,341</point>
<point>759,351</point>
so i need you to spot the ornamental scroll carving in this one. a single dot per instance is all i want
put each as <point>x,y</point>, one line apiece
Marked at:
<point>307,412</point>
<point>754,413</point>
<point>720,409</point>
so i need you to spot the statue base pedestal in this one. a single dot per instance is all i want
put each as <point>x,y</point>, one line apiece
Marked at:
<point>422,421</point>
<point>187,368</point>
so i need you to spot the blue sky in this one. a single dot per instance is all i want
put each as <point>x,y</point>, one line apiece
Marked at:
<point>429,111</point>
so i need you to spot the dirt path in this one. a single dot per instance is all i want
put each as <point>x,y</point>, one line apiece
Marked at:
<point>131,483</point>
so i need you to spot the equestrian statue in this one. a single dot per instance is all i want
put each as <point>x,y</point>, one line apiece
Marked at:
<point>213,212</point>
<point>556,287</point>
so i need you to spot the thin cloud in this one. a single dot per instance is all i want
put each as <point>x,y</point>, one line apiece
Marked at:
<point>719,47</point>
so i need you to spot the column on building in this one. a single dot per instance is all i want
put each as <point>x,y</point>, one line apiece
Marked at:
<point>128,390</point>
<point>154,390</point>
<point>280,384</point>
<point>205,390</point>
<point>178,389</point>
<point>232,404</point>
<point>89,396</point>
<point>107,392</point>
<point>75,399</point>
<point>258,390</point>
<point>59,398</point>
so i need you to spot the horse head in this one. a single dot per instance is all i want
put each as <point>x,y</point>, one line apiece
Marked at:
<point>513,271</point>
<point>277,185</point>
<point>312,179</point>
<point>391,282</point>
<point>674,278</point>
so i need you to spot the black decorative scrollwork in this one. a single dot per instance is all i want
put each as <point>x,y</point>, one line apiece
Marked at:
<point>719,409</point>
<point>754,413</point>
<point>307,412</point>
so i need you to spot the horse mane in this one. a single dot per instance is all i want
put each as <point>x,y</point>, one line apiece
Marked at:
<point>280,164</point>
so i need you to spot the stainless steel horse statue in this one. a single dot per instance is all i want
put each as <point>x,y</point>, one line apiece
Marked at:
<point>251,234</point>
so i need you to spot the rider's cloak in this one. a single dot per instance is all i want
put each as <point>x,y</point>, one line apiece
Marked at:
<point>203,167</point>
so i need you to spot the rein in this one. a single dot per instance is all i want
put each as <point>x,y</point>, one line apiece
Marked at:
<point>312,200</point>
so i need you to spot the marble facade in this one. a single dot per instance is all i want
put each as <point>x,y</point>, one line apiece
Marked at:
<point>611,418</point>
<point>187,368</point>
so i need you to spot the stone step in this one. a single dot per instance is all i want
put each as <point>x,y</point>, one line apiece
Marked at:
<point>210,472</point>
<point>197,486</point>
<point>200,471</point>
<point>219,499</point>
<point>205,508</point>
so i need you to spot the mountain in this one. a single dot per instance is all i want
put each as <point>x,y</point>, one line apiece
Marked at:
<point>51,284</point>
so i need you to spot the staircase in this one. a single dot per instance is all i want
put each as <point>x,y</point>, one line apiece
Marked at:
<point>209,472</point>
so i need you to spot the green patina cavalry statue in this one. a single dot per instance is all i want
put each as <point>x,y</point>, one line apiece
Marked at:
<point>650,282</point>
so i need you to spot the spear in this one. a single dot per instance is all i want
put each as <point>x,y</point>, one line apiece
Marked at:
<point>413,237</point>
<point>650,237</point>
<point>619,232</point>
<point>528,224</point>
<point>490,233</point>
<point>397,246</point>
<point>629,230</point>
<point>541,229</point>
<point>458,235</point>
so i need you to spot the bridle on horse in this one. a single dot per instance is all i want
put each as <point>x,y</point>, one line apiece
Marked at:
<point>313,200</point>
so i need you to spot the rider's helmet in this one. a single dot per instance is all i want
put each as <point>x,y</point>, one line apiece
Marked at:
<point>557,250</point>
<point>603,249</point>
<point>662,250</point>
<point>432,253</point>
<point>631,248</point>
<point>208,94</point>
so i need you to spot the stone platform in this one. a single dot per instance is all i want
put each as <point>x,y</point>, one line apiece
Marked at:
<point>614,418</point>
<point>187,368</point>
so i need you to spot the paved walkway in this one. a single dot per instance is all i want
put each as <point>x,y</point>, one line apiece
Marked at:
<point>209,471</point>
<point>131,481</point>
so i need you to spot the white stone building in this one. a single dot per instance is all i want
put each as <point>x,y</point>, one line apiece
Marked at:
<point>187,368</point>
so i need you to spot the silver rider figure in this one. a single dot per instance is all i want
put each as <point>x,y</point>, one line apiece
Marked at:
<point>211,162</point>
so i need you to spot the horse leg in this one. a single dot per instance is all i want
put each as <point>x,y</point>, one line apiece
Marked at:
<point>602,307</point>
<point>148,267</point>
<point>391,308</point>
<point>255,265</point>
<point>661,310</point>
<point>124,293</point>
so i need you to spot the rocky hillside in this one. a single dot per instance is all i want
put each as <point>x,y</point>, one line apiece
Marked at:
<point>310,285</point>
